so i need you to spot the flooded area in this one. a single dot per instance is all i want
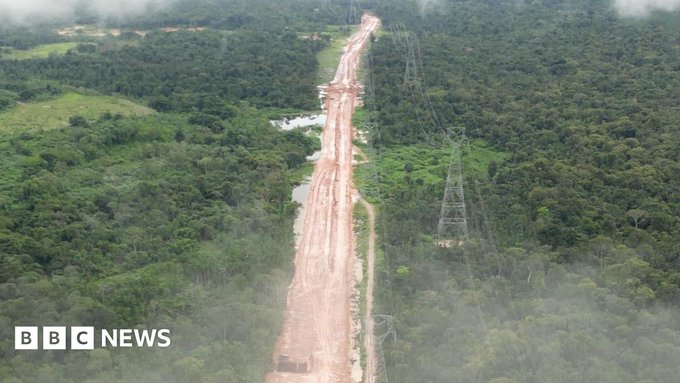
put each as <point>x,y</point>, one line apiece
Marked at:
<point>318,119</point>
<point>300,192</point>
<point>300,196</point>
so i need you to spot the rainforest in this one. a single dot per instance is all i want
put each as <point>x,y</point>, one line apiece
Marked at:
<point>145,184</point>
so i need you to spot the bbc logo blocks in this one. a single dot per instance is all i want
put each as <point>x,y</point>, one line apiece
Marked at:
<point>25,338</point>
<point>53,338</point>
<point>83,338</point>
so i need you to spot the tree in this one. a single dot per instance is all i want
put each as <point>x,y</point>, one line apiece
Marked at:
<point>78,121</point>
<point>638,215</point>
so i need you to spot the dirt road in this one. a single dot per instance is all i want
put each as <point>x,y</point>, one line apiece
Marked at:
<point>315,344</point>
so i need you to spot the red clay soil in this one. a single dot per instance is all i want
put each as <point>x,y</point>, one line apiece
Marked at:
<point>315,344</point>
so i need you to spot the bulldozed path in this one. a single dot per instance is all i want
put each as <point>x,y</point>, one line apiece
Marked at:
<point>315,344</point>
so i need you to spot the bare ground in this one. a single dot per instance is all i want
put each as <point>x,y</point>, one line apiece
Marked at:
<point>316,335</point>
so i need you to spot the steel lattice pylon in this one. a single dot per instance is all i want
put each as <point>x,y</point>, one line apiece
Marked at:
<point>353,17</point>
<point>452,227</point>
<point>386,322</point>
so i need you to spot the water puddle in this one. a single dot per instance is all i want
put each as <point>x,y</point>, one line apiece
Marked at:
<point>300,196</point>
<point>300,192</point>
<point>318,119</point>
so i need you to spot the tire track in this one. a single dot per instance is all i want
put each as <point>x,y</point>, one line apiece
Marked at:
<point>315,344</point>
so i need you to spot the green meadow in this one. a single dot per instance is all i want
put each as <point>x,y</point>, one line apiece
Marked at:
<point>56,112</point>
<point>40,51</point>
<point>329,57</point>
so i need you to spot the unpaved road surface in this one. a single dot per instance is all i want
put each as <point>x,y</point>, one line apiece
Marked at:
<point>316,338</point>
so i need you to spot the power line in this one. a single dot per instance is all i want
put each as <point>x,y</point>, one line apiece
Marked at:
<point>380,320</point>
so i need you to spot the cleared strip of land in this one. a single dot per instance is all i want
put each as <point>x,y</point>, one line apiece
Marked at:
<point>315,344</point>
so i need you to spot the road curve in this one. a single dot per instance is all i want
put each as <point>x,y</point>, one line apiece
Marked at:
<point>315,340</point>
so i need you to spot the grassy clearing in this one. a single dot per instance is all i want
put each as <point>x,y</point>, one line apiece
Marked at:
<point>329,57</point>
<point>56,112</point>
<point>421,165</point>
<point>41,51</point>
<point>300,174</point>
<point>362,232</point>
<point>360,118</point>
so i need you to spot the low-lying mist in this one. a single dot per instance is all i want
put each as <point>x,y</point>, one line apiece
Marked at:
<point>641,8</point>
<point>481,315</point>
<point>29,10</point>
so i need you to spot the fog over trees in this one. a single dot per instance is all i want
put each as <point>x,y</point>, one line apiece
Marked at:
<point>181,217</point>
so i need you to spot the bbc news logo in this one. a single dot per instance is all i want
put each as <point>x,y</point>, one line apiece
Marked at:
<point>83,338</point>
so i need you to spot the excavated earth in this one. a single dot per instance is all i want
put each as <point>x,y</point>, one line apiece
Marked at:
<point>315,344</point>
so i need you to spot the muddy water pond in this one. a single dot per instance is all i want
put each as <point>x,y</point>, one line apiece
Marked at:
<point>300,196</point>
<point>300,122</point>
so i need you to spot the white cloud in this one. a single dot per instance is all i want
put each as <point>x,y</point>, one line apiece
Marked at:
<point>427,6</point>
<point>637,8</point>
<point>24,10</point>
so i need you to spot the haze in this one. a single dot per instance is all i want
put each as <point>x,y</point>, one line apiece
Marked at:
<point>640,8</point>
<point>25,10</point>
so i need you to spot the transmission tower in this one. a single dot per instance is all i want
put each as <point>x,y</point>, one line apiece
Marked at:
<point>398,33</point>
<point>401,37</point>
<point>387,322</point>
<point>452,228</point>
<point>353,13</point>
<point>411,74</point>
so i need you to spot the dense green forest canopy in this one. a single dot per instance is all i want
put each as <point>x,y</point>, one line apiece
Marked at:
<point>186,70</point>
<point>182,218</point>
<point>571,273</point>
<point>248,14</point>
<point>179,219</point>
<point>251,51</point>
